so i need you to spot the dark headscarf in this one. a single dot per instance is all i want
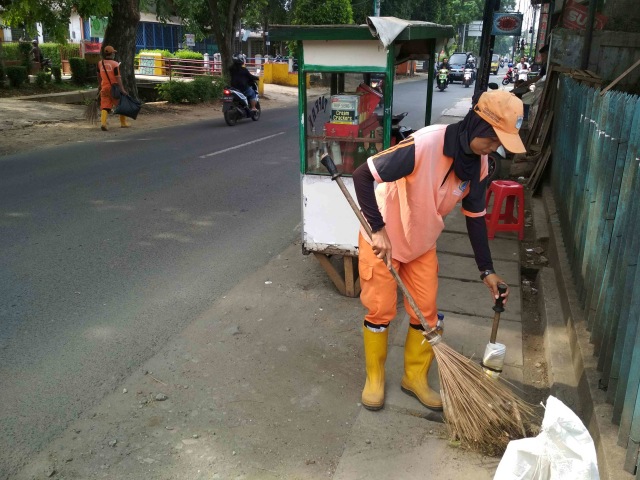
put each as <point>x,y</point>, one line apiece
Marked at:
<point>457,140</point>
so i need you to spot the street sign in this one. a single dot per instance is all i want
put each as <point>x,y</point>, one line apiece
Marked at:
<point>475,29</point>
<point>191,39</point>
<point>506,24</point>
<point>98,25</point>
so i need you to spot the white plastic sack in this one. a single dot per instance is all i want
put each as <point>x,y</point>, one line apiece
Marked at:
<point>563,450</point>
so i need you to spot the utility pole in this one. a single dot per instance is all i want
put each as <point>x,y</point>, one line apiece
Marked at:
<point>464,31</point>
<point>533,27</point>
<point>486,45</point>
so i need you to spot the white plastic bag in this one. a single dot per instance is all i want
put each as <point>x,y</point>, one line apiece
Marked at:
<point>563,450</point>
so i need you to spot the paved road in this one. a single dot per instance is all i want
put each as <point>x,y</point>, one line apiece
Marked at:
<point>108,249</point>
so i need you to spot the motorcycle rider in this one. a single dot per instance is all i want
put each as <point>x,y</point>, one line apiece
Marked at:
<point>36,53</point>
<point>522,64</point>
<point>443,65</point>
<point>243,80</point>
<point>544,51</point>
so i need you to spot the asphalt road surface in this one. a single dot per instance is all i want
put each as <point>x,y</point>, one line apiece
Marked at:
<point>109,248</point>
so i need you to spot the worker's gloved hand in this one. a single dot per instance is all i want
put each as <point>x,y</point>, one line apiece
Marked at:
<point>492,281</point>
<point>381,246</point>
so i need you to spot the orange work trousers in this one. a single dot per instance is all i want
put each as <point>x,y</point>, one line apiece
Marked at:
<point>380,291</point>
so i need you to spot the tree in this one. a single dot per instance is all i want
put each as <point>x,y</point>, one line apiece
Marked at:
<point>121,35</point>
<point>324,12</point>
<point>54,15</point>
<point>260,14</point>
<point>220,17</point>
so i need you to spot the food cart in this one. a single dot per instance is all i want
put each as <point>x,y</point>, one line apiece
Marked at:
<point>340,109</point>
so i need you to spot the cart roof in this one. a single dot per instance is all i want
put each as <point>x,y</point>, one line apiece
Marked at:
<point>408,30</point>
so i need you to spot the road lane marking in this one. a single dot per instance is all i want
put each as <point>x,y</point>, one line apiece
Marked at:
<point>241,145</point>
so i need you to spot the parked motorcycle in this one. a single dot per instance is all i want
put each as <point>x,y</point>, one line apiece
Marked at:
<point>398,132</point>
<point>45,65</point>
<point>508,77</point>
<point>443,79</point>
<point>235,106</point>
<point>467,77</point>
<point>377,82</point>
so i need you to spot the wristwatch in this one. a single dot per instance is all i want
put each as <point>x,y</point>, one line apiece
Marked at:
<point>486,273</point>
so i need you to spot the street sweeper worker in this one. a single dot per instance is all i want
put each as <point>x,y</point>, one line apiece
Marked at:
<point>420,180</point>
<point>109,71</point>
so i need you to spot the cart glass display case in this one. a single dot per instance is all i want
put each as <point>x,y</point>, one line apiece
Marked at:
<point>348,124</point>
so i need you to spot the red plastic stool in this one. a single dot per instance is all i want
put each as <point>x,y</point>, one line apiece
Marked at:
<point>505,222</point>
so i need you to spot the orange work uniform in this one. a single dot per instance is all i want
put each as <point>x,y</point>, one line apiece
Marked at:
<point>107,78</point>
<point>417,188</point>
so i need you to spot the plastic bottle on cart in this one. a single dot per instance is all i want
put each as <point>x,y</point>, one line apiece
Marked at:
<point>314,160</point>
<point>372,150</point>
<point>336,154</point>
<point>360,156</point>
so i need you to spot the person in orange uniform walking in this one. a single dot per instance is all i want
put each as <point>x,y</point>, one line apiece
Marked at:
<point>420,180</point>
<point>109,71</point>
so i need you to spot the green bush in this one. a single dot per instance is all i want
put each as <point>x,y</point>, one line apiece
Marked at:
<point>207,88</point>
<point>1,74</point>
<point>11,51</point>
<point>201,89</point>
<point>25,53</point>
<point>188,54</point>
<point>52,51</point>
<point>165,53</point>
<point>42,78</point>
<point>78,70</point>
<point>68,50</point>
<point>57,73</point>
<point>177,92</point>
<point>17,75</point>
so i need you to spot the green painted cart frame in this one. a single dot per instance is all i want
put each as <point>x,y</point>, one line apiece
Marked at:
<point>329,227</point>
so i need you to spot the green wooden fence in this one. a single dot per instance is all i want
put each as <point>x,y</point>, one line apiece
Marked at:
<point>596,181</point>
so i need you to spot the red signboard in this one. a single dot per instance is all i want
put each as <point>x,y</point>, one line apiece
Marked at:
<point>575,17</point>
<point>92,47</point>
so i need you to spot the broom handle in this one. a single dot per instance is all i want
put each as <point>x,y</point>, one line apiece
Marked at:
<point>327,161</point>
<point>498,308</point>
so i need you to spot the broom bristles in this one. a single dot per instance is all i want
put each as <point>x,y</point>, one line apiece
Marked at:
<point>91,111</point>
<point>480,412</point>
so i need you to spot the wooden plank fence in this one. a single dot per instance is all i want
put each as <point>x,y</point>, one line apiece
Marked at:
<point>596,179</point>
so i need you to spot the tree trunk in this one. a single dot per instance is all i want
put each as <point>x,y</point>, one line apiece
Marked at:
<point>121,35</point>
<point>225,33</point>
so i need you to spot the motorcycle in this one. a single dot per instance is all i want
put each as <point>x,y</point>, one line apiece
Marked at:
<point>443,79</point>
<point>377,82</point>
<point>467,77</point>
<point>501,63</point>
<point>235,106</point>
<point>45,65</point>
<point>508,77</point>
<point>400,132</point>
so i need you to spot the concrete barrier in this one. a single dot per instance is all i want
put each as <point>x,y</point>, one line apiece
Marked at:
<point>278,73</point>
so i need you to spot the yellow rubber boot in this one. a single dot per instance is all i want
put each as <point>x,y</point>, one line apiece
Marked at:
<point>103,120</point>
<point>123,122</point>
<point>417,361</point>
<point>375,352</point>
